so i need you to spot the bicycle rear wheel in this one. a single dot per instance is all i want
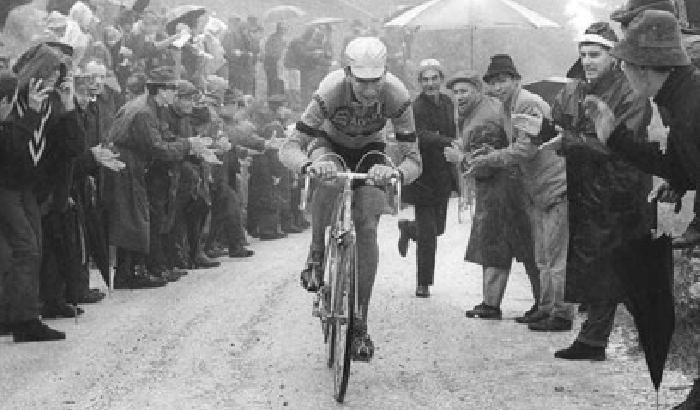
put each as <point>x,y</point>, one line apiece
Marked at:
<point>343,303</point>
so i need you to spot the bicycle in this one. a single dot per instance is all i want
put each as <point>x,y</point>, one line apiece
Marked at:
<point>336,301</point>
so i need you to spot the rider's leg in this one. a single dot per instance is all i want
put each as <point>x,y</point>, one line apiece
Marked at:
<point>369,203</point>
<point>321,212</point>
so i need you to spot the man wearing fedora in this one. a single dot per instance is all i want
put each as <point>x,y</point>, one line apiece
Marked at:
<point>138,137</point>
<point>435,127</point>
<point>691,237</point>
<point>657,66</point>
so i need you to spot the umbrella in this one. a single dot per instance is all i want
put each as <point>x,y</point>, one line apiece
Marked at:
<point>187,14</point>
<point>645,267</point>
<point>282,12</point>
<point>547,88</point>
<point>471,14</point>
<point>325,20</point>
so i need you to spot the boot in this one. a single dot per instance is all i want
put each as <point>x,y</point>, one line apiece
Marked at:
<point>35,331</point>
<point>692,402</point>
<point>581,351</point>
<point>527,316</point>
<point>422,291</point>
<point>312,275</point>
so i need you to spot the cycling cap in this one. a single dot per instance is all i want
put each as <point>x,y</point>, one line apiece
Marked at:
<point>366,57</point>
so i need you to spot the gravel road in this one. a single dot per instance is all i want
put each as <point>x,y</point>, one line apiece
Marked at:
<point>242,337</point>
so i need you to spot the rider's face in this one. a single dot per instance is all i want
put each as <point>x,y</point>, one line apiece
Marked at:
<point>367,90</point>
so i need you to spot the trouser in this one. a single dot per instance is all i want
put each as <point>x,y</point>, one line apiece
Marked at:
<point>595,331</point>
<point>496,279</point>
<point>20,223</point>
<point>275,85</point>
<point>424,230</point>
<point>226,219</point>
<point>158,196</point>
<point>368,203</point>
<point>62,273</point>
<point>550,229</point>
<point>196,212</point>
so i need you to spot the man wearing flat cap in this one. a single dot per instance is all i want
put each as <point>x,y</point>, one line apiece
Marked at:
<point>657,66</point>
<point>139,135</point>
<point>435,128</point>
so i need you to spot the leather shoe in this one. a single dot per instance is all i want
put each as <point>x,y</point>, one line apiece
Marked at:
<point>203,262</point>
<point>525,318</point>
<point>35,331</point>
<point>215,253</point>
<point>532,318</point>
<point>581,351</point>
<point>92,296</point>
<point>292,229</point>
<point>551,324</point>
<point>61,310</point>
<point>143,281</point>
<point>241,253</point>
<point>272,236</point>
<point>484,311</point>
<point>422,291</point>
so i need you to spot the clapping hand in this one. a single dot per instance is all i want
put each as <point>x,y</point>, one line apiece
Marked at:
<point>602,116</point>
<point>665,193</point>
<point>527,123</point>
<point>37,94</point>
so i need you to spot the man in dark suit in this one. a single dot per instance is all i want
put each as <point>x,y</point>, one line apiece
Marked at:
<point>434,115</point>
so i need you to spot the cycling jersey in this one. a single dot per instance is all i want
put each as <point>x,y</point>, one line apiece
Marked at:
<point>335,120</point>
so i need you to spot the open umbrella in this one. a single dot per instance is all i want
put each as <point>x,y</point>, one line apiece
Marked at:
<point>547,88</point>
<point>645,267</point>
<point>470,14</point>
<point>282,12</point>
<point>325,20</point>
<point>187,14</point>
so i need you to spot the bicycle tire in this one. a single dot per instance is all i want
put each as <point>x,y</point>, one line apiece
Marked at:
<point>329,325</point>
<point>344,303</point>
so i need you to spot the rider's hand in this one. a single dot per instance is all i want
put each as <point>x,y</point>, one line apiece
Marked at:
<point>381,174</point>
<point>37,94</point>
<point>323,169</point>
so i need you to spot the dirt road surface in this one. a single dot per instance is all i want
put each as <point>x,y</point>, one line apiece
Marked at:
<point>242,337</point>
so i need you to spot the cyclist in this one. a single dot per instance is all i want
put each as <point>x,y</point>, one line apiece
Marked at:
<point>346,116</point>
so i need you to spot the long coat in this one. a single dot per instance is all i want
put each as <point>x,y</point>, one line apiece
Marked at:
<point>607,196</point>
<point>138,137</point>
<point>435,128</point>
<point>500,228</point>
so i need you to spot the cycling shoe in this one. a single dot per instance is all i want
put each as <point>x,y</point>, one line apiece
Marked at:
<point>362,348</point>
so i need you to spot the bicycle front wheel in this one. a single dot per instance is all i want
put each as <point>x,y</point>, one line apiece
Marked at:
<point>344,303</point>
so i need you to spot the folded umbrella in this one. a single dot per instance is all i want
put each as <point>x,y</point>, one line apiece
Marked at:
<point>645,267</point>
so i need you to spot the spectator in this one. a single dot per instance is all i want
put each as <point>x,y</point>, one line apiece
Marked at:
<point>607,197</point>
<point>504,82</point>
<point>38,111</point>
<point>499,230</point>
<point>274,48</point>
<point>659,68</point>
<point>435,129</point>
